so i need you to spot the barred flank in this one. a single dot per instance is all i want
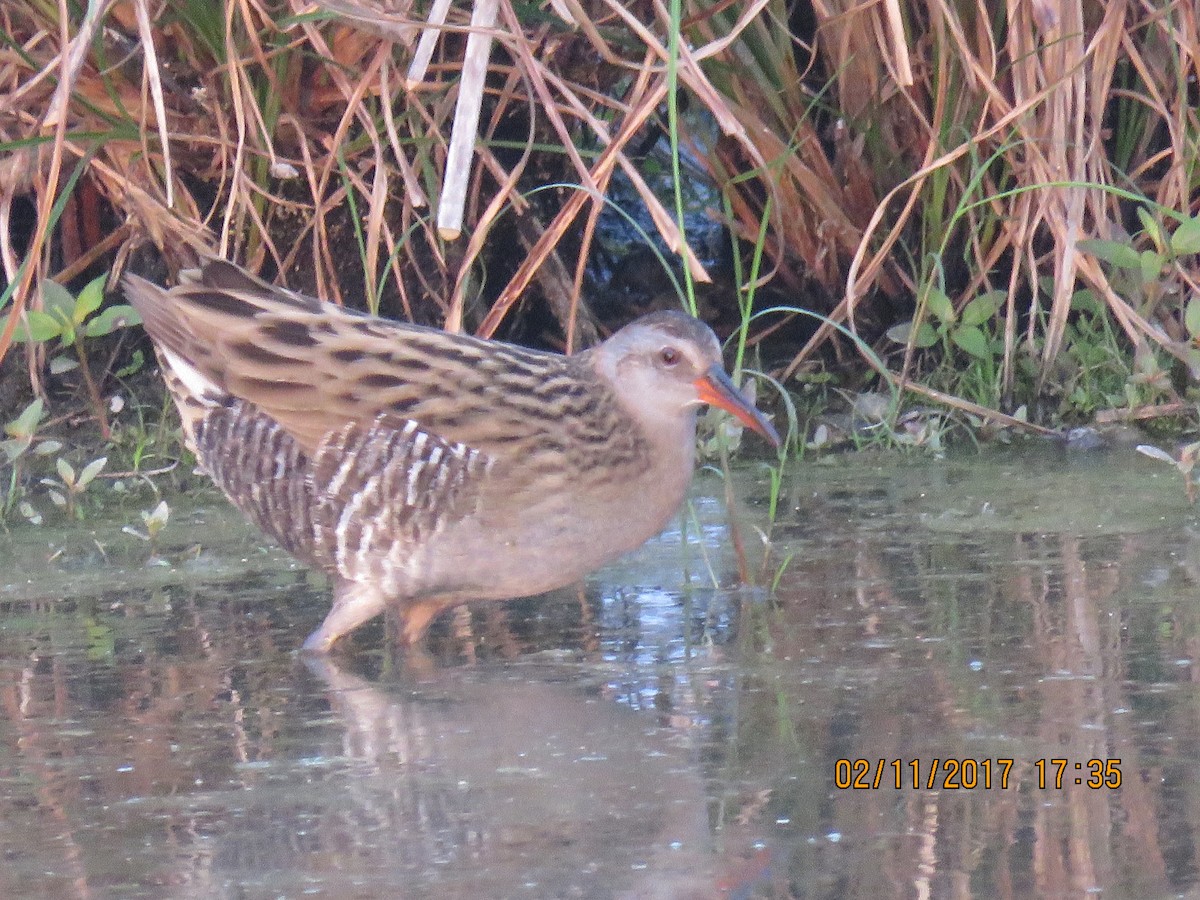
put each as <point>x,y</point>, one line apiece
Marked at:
<point>263,471</point>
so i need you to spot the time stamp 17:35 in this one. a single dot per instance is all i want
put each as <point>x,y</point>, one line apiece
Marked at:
<point>964,773</point>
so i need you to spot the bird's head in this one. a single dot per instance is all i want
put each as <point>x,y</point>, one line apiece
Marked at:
<point>664,365</point>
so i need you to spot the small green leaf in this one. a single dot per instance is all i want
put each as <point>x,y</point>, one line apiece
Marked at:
<point>15,448</point>
<point>111,319</point>
<point>91,470</point>
<point>26,423</point>
<point>982,308</point>
<point>26,509</point>
<point>926,336</point>
<point>900,333</point>
<point>41,327</point>
<point>903,333</point>
<point>89,299</point>
<point>65,471</point>
<point>1152,263</point>
<point>940,305</point>
<point>1150,227</point>
<point>1084,300</point>
<point>972,340</point>
<point>57,300</point>
<point>156,519</point>
<point>136,361</point>
<point>61,364</point>
<point>1192,358</point>
<point>1186,238</point>
<point>1112,252</point>
<point>1191,317</point>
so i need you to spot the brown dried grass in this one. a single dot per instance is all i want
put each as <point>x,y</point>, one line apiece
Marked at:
<point>1033,95</point>
<point>288,92</point>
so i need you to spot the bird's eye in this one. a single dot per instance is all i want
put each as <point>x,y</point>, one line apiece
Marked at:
<point>669,356</point>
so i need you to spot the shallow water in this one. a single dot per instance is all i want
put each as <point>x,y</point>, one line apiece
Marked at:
<point>655,733</point>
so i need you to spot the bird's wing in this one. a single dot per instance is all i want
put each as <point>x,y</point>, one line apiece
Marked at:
<point>314,367</point>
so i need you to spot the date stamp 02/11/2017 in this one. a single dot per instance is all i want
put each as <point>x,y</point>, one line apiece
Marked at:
<point>966,774</point>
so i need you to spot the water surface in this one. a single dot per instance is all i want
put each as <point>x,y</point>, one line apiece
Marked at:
<point>656,732</point>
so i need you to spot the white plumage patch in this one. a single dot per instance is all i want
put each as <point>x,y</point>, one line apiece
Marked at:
<point>193,379</point>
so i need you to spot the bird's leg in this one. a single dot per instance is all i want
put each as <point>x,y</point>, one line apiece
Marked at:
<point>353,604</point>
<point>416,615</point>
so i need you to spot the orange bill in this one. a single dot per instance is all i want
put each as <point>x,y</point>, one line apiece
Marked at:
<point>715,387</point>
